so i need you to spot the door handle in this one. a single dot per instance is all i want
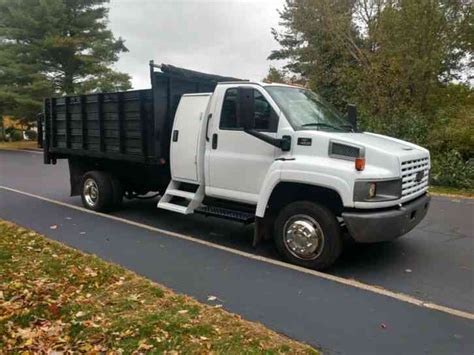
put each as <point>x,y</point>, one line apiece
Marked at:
<point>207,126</point>
<point>175,135</point>
<point>214,141</point>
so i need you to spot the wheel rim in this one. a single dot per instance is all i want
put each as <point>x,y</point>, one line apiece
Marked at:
<point>303,237</point>
<point>91,192</point>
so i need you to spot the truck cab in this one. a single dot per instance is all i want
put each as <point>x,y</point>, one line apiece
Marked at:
<point>287,159</point>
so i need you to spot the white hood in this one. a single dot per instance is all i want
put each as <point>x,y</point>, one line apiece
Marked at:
<point>396,147</point>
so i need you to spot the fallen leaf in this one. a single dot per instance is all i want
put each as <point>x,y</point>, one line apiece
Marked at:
<point>54,309</point>
<point>80,314</point>
<point>133,297</point>
<point>86,347</point>
<point>142,345</point>
<point>28,342</point>
<point>183,311</point>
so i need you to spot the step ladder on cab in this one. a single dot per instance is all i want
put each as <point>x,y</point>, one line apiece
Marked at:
<point>186,190</point>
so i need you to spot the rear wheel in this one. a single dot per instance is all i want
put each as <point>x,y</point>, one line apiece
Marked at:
<point>118,192</point>
<point>308,234</point>
<point>98,191</point>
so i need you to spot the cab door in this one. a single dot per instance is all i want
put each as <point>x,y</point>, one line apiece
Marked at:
<point>237,162</point>
<point>185,138</point>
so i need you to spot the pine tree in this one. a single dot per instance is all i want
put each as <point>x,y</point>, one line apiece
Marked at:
<point>65,43</point>
<point>22,88</point>
<point>275,76</point>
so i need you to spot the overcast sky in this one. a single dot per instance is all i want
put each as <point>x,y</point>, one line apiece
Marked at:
<point>227,37</point>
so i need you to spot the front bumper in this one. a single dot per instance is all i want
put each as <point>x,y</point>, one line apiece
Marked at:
<point>375,226</point>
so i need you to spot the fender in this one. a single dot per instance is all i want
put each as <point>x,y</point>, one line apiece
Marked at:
<point>277,175</point>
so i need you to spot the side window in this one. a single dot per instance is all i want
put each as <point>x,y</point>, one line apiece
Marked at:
<point>265,118</point>
<point>229,110</point>
<point>263,112</point>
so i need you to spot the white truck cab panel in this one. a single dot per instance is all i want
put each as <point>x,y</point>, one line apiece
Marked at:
<point>236,163</point>
<point>187,138</point>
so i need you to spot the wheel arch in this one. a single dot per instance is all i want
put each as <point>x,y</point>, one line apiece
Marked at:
<point>285,192</point>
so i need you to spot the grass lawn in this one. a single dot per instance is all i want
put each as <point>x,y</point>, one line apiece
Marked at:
<point>56,298</point>
<point>451,191</point>
<point>19,145</point>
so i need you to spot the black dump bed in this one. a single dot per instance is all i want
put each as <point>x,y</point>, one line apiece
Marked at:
<point>130,126</point>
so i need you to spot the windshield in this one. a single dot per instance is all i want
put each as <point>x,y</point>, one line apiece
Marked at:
<point>307,110</point>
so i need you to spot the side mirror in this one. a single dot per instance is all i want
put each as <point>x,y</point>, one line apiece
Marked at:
<point>352,115</point>
<point>246,108</point>
<point>246,119</point>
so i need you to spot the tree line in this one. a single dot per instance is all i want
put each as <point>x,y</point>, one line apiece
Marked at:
<point>406,64</point>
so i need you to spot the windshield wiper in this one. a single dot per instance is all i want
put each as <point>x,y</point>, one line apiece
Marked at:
<point>321,124</point>
<point>347,126</point>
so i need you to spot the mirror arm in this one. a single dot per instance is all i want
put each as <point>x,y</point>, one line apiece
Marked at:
<point>283,143</point>
<point>352,115</point>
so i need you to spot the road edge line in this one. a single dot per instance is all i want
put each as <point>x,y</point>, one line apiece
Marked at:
<point>347,282</point>
<point>21,150</point>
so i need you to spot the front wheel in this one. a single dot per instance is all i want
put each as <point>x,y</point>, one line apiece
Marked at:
<point>308,234</point>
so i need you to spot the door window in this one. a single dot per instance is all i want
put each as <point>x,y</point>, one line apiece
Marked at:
<point>229,110</point>
<point>265,118</point>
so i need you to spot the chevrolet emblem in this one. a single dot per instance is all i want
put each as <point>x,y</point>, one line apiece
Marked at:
<point>419,176</point>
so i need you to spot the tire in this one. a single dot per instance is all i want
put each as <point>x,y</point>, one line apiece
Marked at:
<point>316,242</point>
<point>118,193</point>
<point>97,192</point>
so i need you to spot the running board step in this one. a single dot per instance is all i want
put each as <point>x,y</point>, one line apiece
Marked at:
<point>173,207</point>
<point>226,213</point>
<point>180,193</point>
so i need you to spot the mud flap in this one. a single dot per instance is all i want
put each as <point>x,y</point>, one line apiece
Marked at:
<point>258,231</point>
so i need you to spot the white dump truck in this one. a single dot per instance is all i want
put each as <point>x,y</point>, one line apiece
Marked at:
<point>278,156</point>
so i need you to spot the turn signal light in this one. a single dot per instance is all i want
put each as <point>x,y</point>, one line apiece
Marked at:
<point>360,164</point>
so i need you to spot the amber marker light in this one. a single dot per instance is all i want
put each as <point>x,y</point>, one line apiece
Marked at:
<point>360,164</point>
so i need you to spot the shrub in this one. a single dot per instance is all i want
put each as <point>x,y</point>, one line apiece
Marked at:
<point>450,169</point>
<point>32,135</point>
<point>16,135</point>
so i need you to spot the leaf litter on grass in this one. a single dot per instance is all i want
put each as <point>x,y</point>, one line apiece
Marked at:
<point>54,299</point>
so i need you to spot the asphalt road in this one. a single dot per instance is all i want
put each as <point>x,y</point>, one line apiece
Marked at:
<point>435,262</point>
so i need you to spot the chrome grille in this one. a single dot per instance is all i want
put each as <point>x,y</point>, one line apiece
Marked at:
<point>415,175</point>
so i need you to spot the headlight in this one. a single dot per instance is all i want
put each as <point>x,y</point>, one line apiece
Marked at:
<point>377,190</point>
